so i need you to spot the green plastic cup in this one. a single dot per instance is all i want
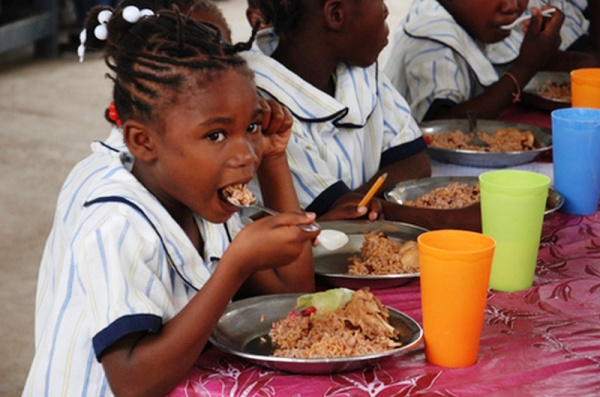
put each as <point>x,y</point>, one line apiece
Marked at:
<point>512,213</point>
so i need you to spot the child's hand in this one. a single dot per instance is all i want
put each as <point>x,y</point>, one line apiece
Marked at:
<point>346,207</point>
<point>271,242</point>
<point>542,39</point>
<point>276,126</point>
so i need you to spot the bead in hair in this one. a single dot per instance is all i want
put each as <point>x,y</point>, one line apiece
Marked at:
<point>132,14</point>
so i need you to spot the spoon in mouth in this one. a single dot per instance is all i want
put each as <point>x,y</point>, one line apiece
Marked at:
<point>240,196</point>
<point>546,13</point>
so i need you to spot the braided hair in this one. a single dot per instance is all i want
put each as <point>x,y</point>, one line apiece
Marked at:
<point>155,59</point>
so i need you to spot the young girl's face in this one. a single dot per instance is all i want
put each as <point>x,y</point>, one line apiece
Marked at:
<point>483,18</point>
<point>211,139</point>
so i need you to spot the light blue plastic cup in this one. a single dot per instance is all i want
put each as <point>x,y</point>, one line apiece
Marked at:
<point>576,158</point>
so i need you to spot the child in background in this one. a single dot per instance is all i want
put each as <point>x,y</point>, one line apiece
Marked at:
<point>438,58</point>
<point>350,124</point>
<point>146,252</point>
<point>574,34</point>
<point>446,62</point>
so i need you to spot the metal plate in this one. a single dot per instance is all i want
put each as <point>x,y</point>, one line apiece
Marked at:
<point>543,143</point>
<point>415,188</point>
<point>531,96</point>
<point>332,266</point>
<point>244,327</point>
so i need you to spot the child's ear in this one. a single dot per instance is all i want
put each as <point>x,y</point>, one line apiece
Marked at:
<point>139,141</point>
<point>333,11</point>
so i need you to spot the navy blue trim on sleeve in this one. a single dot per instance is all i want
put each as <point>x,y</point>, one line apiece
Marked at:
<point>403,151</point>
<point>124,326</point>
<point>436,105</point>
<point>321,204</point>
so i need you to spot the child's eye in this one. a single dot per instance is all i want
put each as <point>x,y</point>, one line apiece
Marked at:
<point>216,136</point>
<point>253,128</point>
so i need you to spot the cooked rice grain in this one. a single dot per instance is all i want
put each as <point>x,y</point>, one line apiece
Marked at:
<point>381,255</point>
<point>360,327</point>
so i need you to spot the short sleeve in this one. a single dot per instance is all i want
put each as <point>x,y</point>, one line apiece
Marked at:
<point>444,79</point>
<point>312,173</point>
<point>124,272</point>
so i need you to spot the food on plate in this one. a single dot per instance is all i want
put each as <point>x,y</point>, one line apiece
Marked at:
<point>452,196</point>
<point>502,140</point>
<point>555,91</point>
<point>381,255</point>
<point>335,323</point>
<point>239,194</point>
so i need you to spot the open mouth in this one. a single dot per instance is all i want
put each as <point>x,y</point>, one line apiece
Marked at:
<point>237,194</point>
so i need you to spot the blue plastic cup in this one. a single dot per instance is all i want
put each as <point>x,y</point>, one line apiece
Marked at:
<point>576,154</point>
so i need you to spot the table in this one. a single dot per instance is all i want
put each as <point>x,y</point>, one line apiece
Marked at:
<point>544,341</point>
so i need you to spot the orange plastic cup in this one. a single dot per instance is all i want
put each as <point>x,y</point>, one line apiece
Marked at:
<point>455,272</point>
<point>585,88</point>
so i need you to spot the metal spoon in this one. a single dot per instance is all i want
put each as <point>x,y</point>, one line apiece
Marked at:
<point>472,117</point>
<point>545,13</point>
<point>308,228</point>
<point>330,239</point>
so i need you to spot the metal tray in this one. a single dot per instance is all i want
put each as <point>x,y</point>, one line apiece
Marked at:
<point>415,188</point>
<point>531,96</point>
<point>543,143</point>
<point>332,266</point>
<point>244,327</point>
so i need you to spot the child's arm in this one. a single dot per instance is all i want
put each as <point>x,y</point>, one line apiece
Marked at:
<point>346,207</point>
<point>539,47</point>
<point>153,364</point>
<point>278,192</point>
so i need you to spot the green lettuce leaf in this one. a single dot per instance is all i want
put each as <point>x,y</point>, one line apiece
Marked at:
<point>329,300</point>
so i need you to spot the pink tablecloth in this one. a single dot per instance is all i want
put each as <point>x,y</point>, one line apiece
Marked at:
<point>541,342</point>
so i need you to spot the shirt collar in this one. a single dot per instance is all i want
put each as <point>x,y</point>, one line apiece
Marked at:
<point>355,93</point>
<point>122,187</point>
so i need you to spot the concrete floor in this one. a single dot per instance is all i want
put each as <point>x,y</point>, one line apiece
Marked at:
<point>50,111</point>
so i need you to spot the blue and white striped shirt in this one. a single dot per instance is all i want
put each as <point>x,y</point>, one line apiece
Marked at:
<point>432,57</point>
<point>115,263</point>
<point>337,143</point>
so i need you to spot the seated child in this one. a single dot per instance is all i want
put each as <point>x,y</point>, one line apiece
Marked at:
<point>350,124</point>
<point>574,35</point>
<point>146,251</point>
<point>438,59</point>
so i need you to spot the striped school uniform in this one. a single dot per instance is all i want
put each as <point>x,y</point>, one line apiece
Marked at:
<point>434,62</point>
<point>115,263</point>
<point>338,142</point>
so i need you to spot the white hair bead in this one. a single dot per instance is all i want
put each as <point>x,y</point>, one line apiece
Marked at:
<point>101,32</point>
<point>131,14</point>
<point>146,12</point>
<point>83,36</point>
<point>104,16</point>
<point>81,52</point>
